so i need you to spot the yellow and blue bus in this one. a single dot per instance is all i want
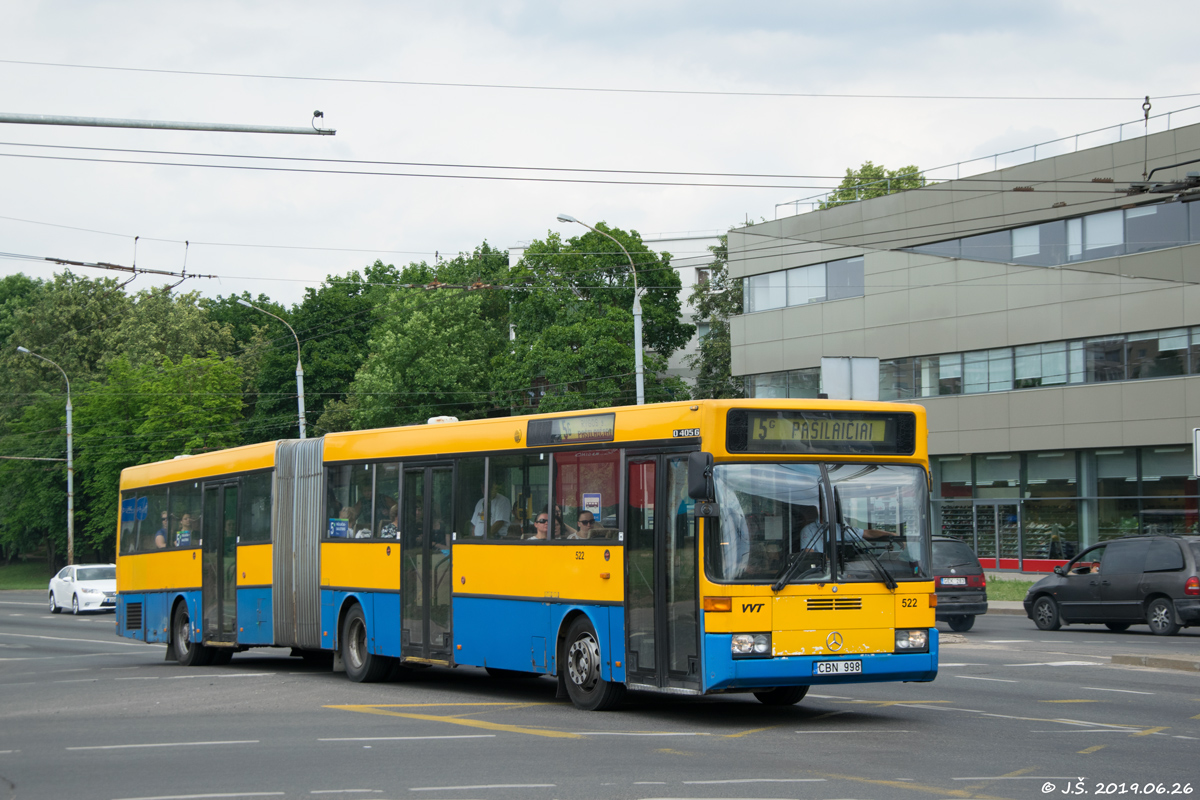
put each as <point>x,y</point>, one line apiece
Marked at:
<point>760,546</point>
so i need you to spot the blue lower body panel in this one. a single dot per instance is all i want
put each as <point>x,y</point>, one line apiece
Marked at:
<point>523,634</point>
<point>722,671</point>
<point>156,614</point>
<point>255,623</point>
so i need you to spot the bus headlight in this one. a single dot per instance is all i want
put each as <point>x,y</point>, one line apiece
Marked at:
<point>751,644</point>
<point>915,640</point>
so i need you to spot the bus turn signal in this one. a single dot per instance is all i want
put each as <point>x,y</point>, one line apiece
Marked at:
<point>932,600</point>
<point>718,604</point>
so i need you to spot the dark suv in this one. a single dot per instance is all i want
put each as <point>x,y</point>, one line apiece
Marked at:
<point>960,583</point>
<point>1151,580</point>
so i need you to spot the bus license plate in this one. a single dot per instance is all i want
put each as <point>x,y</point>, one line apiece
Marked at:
<point>837,668</point>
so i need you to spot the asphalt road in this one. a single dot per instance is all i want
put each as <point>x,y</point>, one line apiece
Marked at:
<point>1014,710</point>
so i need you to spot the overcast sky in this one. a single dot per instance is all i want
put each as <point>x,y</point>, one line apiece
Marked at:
<point>277,232</point>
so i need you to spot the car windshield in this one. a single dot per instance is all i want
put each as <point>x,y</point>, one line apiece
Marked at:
<point>953,554</point>
<point>775,525</point>
<point>97,574</point>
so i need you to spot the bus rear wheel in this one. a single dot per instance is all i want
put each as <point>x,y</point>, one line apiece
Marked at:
<point>187,652</point>
<point>362,666</point>
<point>581,660</point>
<point>782,696</point>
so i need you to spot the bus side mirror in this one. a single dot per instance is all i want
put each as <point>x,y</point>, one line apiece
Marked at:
<point>700,483</point>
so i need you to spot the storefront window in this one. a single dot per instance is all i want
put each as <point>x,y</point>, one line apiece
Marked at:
<point>1051,475</point>
<point>998,475</point>
<point>952,476</point>
<point>1051,529</point>
<point>1116,518</point>
<point>1116,473</point>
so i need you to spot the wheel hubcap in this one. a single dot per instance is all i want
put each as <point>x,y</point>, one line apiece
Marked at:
<point>1044,614</point>
<point>1159,617</point>
<point>583,662</point>
<point>183,634</point>
<point>358,643</point>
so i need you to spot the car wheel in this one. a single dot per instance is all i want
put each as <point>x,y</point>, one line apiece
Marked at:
<point>582,659</point>
<point>782,696</point>
<point>1160,616</point>
<point>362,666</point>
<point>54,607</point>
<point>187,652</point>
<point>75,604</point>
<point>1045,614</point>
<point>962,623</point>
<point>1117,627</point>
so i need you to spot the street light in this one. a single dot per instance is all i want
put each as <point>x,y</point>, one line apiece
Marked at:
<point>299,368</point>
<point>637,309</point>
<point>70,462</point>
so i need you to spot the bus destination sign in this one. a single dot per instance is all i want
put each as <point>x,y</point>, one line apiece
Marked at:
<point>571,430</point>
<point>812,431</point>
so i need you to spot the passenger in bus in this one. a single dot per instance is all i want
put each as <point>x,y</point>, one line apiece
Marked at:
<point>587,521</point>
<point>501,511</point>
<point>391,528</point>
<point>183,536</point>
<point>541,526</point>
<point>160,536</point>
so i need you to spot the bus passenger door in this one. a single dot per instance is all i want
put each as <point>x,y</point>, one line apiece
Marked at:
<point>425,630</point>
<point>218,566</point>
<point>662,630</point>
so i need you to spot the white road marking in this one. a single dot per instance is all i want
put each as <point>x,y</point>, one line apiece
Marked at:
<point>855,731</point>
<point>829,697</point>
<point>1057,664</point>
<point>138,678</point>
<point>19,603</point>
<point>977,678</point>
<point>1087,730</point>
<point>483,786</point>
<point>7,752</point>
<point>958,664</point>
<point>622,733</point>
<point>408,738</point>
<point>649,783</point>
<point>16,615</point>
<point>204,796</point>
<point>346,791</point>
<point>114,641</point>
<point>77,655</point>
<point>1008,641</point>
<point>167,744</point>
<point>1123,691</point>
<point>1021,778</point>
<point>77,680</point>
<point>942,708</point>
<point>757,780</point>
<point>1193,738</point>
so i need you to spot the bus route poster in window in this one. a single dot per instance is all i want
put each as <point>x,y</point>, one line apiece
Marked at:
<point>338,528</point>
<point>571,430</point>
<point>832,432</point>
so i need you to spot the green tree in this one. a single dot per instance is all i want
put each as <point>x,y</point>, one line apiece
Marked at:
<point>872,180</point>
<point>716,299</point>
<point>574,325</point>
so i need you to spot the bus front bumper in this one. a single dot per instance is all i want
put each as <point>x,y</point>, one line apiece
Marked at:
<point>722,672</point>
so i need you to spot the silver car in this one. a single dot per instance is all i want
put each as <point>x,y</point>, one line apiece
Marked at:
<point>84,587</point>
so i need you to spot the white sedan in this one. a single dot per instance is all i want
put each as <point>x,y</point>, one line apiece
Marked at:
<point>84,587</point>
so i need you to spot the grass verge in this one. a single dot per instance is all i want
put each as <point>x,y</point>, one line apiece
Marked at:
<point>25,575</point>
<point>1007,590</point>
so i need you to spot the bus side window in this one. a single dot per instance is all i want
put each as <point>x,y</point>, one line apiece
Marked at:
<point>585,489</point>
<point>519,487</point>
<point>467,494</point>
<point>255,511</point>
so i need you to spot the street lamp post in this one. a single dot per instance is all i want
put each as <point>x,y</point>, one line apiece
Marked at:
<point>70,461</point>
<point>637,309</point>
<point>299,368</point>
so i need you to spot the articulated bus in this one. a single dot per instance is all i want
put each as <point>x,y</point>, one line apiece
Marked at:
<point>760,546</point>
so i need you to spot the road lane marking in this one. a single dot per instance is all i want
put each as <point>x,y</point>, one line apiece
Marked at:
<point>346,791</point>
<point>755,730</point>
<point>957,664</point>
<point>854,731</point>
<point>20,603</point>
<point>1068,701</point>
<point>77,680</point>
<point>905,784</point>
<point>977,678</point>
<point>885,703</point>
<point>1123,691</point>
<point>483,786</point>
<point>636,733</point>
<point>757,780</point>
<point>1020,778</point>
<point>1088,730</point>
<point>69,639</point>
<point>470,723</point>
<point>1058,664</point>
<point>1008,641</point>
<point>1149,731</point>
<point>942,708</point>
<point>166,744</point>
<point>408,738</point>
<point>8,752</point>
<point>829,696</point>
<point>204,796</point>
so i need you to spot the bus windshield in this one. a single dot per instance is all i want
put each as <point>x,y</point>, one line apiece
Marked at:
<point>776,527</point>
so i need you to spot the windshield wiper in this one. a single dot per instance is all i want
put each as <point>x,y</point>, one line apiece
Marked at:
<point>881,570</point>
<point>795,560</point>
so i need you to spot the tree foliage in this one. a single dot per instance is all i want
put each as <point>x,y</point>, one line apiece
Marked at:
<point>716,299</point>
<point>874,180</point>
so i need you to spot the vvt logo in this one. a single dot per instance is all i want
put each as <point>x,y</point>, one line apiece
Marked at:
<point>752,607</point>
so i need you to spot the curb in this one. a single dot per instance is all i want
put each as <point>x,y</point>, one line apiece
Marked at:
<point>1159,662</point>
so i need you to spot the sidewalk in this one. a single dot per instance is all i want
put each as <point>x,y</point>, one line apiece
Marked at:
<point>1009,607</point>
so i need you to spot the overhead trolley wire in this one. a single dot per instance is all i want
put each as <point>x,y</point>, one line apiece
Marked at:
<point>598,89</point>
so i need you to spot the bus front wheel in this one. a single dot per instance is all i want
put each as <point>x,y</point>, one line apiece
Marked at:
<point>187,652</point>
<point>782,696</point>
<point>581,660</point>
<point>362,666</point>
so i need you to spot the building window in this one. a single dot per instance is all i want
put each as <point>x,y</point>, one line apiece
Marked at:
<point>896,379</point>
<point>806,285</point>
<point>804,382</point>
<point>765,292</point>
<point>1158,354</point>
<point>1155,227</point>
<point>1040,365</point>
<point>845,278</point>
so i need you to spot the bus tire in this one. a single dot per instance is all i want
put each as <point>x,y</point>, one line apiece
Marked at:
<point>187,652</point>
<point>581,661</point>
<point>220,656</point>
<point>362,666</point>
<point>782,696</point>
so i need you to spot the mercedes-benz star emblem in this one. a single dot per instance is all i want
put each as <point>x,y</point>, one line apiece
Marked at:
<point>834,641</point>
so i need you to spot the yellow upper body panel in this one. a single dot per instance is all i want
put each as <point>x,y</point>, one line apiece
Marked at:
<point>220,462</point>
<point>361,565</point>
<point>152,572</point>
<point>589,573</point>
<point>254,564</point>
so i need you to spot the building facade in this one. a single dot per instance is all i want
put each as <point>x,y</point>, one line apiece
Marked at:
<point>1048,318</point>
